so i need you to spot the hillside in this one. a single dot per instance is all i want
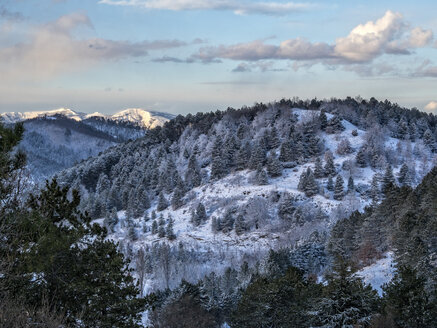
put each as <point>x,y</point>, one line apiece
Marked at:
<point>211,191</point>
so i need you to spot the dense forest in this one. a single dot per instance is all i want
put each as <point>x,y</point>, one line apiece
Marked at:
<point>315,192</point>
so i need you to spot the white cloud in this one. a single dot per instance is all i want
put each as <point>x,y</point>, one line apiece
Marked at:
<point>238,7</point>
<point>388,35</point>
<point>431,106</point>
<point>52,49</point>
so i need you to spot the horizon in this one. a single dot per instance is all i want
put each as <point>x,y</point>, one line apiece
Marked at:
<point>188,56</point>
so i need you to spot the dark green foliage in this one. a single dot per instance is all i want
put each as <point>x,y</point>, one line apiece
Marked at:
<point>318,168</point>
<point>350,185</point>
<point>329,164</point>
<point>261,176</point>
<point>339,188</point>
<point>162,202</point>
<point>360,159</point>
<point>346,302</point>
<point>83,279</point>
<point>330,184</point>
<point>407,302</point>
<point>403,176</point>
<point>287,152</point>
<point>282,302</point>
<point>388,180</point>
<point>169,230</point>
<point>323,120</point>
<point>274,166</point>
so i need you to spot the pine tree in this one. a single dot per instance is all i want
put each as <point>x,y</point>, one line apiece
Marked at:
<point>330,184</point>
<point>374,190</point>
<point>318,168</point>
<point>351,185</point>
<point>219,165</point>
<point>215,225</point>
<point>243,156</point>
<point>176,200</point>
<point>346,302</point>
<point>286,152</point>
<point>161,232</point>
<point>429,140</point>
<point>329,164</point>
<point>258,157</point>
<point>274,139</point>
<point>154,227</point>
<point>169,230</point>
<point>274,167</point>
<point>407,302</point>
<point>323,119</point>
<point>338,189</point>
<point>403,176</point>
<point>194,219</point>
<point>311,188</point>
<point>361,158</point>
<point>192,176</point>
<point>261,176</point>
<point>132,234</point>
<point>388,180</point>
<point>201,213</point>
<point>240,225</point>
<point>162,202</point>
<point>302,181</point>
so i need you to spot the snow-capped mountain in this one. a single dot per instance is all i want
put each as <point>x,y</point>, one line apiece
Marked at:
<point>13,117</point>
<point>138,116</point>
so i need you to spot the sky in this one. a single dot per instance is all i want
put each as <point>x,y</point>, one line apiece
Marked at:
<point>182,56</point>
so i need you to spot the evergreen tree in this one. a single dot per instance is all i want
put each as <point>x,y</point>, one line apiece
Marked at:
<point>339,189</point>
<point>330,184</point>
<point>346,302</point>
<point>350,185</point>
<point>261,176</point>
<point>169,230</point>
<point>258,157</point>
<point>403,176</point>
<point>194,219</point>
<point>323,119</point>
<point>243,156</point>
<point>219,165</point>
<point>132,234</point>
<point>192,176</point>
<point>162,202</point>
<point>78,264</point>
<point>154,227</point>
<point>274,167</point>
<point>361,158</point>
<point>318,168</point>
<point>374,190</point>
<point>329,164</point>
<point>240,225</point>
<point>388,179</point>
<point>407,302</point>
<point>274,139</point>
<point>311,188</point>
<point>176,200</point>
<point>161,232</point>
<point>287,152</point>
<point>215,225</point>
<point>201,213</point>
<point>429,140</point>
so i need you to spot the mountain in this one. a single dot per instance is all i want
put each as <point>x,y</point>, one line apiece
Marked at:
<point>57,139</point>
<point>212,191</point>
<point>138,116</point>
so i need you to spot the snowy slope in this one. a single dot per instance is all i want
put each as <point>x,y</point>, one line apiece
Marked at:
<point>13,117</point>
<point>219,250</point>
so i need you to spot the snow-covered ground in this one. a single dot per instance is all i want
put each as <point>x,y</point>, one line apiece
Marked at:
<point>379,273</point>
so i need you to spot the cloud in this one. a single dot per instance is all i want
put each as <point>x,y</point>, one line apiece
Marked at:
<point>262,66</point>
<point>366,42</point>
<point>166,59</point>
<point>10,15</point>
<point>244,7</point>
<point>431,106</point>
<point>52,49</point>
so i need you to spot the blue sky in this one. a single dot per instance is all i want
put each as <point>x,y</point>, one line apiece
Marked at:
<point>183,56</point>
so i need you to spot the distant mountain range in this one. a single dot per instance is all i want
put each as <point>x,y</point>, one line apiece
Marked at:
<point>137,116</point>
<point>57,139</point>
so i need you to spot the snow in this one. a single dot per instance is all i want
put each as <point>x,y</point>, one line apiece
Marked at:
<point>379,273</point>
<point>144,118</point>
